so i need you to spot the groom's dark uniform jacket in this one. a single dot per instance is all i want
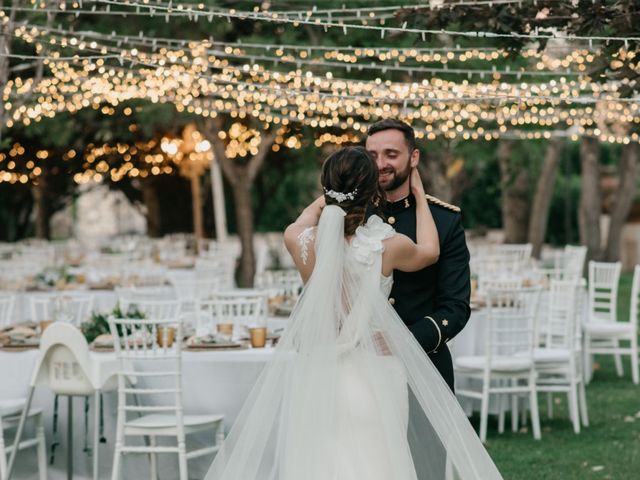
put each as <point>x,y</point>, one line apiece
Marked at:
<point>433,302</point>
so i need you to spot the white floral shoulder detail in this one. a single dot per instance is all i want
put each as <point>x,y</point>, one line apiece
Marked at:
<point>304,238</point>
<point>368,239</point>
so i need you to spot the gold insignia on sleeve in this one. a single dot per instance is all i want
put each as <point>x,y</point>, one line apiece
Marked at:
<point>440,203</point>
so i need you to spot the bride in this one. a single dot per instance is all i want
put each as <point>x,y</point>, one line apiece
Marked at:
<point>349,393</point>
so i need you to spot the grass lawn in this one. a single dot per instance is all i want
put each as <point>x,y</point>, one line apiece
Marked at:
<point>608,449</point>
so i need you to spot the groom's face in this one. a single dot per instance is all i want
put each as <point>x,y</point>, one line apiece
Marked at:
<point>390,151</point>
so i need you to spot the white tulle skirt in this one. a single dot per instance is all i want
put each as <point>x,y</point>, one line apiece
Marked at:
<point>349,393</point>
<point>363,446</point>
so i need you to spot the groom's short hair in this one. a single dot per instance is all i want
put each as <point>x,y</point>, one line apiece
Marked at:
<point>395,124</point>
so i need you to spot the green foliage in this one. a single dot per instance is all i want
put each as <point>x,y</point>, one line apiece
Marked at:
<point>16,203</point>
<point>99,324</point>
<point>288,184</point>
<point>480,202</point>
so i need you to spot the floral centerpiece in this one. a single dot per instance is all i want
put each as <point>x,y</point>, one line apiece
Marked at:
<point>53,277</point>
<point>99,325</point>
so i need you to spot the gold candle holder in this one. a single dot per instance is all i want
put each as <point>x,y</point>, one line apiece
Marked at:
<point>258,337</point>
<point>166,336</point>
<point>44,324</point>
<point>225,328</point>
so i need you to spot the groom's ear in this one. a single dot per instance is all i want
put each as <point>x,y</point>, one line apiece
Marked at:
<point>414,159</point>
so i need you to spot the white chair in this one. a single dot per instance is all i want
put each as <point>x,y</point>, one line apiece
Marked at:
<point>282,282</point>
<point>559,361</point>
<point>71,307</point>
<point>507,366</point>
<point>145,352</point>
<point>215,265</point>
<point>247,294</point>
<point>7,303</point>
<point>65,365</point>
<point>191,290</point>
<point>515,253</point>
<point>573,261</point>
<point>602,331</point>
<point>501,259</point>
<point>144,274</point>
<point>239,311</point>
<point>10,411</point>
<point>510,282</point>
<point>153,302</point>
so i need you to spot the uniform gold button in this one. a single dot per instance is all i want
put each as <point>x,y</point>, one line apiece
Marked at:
<point>392,301</point>
<point>391,220</point>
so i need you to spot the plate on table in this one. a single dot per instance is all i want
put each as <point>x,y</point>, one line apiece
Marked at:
<point>27,344</point>
<point>217,346</point>
<point>209,342</point>
<point>284,309</point>
<point>107,285</point>
<point>101,348</point>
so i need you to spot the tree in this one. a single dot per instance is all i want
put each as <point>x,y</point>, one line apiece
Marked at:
<point>515,195</point>
<point>539,217</point>
<point>590,198</point>
<point>241,176</point>
<point>628,174</point>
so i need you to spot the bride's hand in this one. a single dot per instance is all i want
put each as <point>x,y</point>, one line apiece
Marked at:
<point>380,344</point>
<point>416,183</point>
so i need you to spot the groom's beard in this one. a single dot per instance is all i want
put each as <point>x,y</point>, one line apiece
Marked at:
<point>399,177</point>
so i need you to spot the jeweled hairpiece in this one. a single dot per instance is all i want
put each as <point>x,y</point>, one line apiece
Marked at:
<point>340,196</point>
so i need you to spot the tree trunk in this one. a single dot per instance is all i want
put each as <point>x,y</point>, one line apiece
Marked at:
<point>244,221</point>
<point>152,202</point>
<point>196,206</point>
<point>590,198</point>
<point>568,203</point>
<point>241,178</point>
<point>515,196</point>
<point>624,199</point>
<point>42,210</point>
<point>543,195</point>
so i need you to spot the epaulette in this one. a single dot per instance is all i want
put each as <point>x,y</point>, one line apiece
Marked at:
<point>440,203</point>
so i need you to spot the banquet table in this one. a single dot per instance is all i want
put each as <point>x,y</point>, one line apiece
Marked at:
<point>213,382</point>
<point>216,381</point>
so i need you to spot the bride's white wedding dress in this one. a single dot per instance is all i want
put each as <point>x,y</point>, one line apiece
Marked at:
<point>349,393</point>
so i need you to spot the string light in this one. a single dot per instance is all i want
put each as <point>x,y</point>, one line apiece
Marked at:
<point>195,14</point>
<point>210,78</point>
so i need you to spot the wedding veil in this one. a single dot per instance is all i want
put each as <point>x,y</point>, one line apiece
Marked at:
<point>345,358</point>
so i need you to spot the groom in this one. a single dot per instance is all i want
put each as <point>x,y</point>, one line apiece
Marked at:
<point>433,302</point>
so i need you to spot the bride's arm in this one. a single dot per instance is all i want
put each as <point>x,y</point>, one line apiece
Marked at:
<point>310,216</point>
<point>402,253</point>
<point>298,237</point>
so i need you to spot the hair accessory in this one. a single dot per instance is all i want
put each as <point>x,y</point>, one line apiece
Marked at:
<point>340,196</point>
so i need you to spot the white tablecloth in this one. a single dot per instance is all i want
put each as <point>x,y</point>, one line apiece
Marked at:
<point>214,382</point>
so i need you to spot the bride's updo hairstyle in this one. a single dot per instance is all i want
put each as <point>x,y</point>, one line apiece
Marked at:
<point>350,180</point>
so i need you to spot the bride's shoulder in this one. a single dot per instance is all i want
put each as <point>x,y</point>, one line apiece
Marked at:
<point>375,229</point>
<point>368,239</point>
